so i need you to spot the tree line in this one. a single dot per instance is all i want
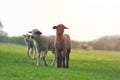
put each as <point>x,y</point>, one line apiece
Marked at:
<point>4,38</point>
<point>15,40</point>
<point>100,44</point>
<point>104,43</point>
<point>107,43</point>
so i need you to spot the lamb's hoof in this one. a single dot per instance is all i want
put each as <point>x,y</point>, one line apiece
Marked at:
<point>66,67</point>
<point>59,66</point>
<point>37,64</point>
<point>46,64</point>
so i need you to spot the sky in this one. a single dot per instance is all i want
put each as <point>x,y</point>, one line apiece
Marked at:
<point>86,19</point>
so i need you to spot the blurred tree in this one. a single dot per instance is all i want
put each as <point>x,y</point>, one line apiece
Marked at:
<point>1,25</point>
<point>2,33</point>
<point>75,44</point>
<point>107,43</point>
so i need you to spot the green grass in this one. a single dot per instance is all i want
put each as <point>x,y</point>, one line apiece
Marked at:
<point>84,65</point>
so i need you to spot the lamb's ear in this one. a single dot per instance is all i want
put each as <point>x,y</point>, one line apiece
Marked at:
<point>29,31</point>
<point>66,27</point>
<point>54,27</point>
<point>38,32</point>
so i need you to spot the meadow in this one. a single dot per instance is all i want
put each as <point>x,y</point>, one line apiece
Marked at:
<point>84,65</point>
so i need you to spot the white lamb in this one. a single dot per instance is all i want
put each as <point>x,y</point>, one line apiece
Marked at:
<point>31,45</point>
<point>44,44</point>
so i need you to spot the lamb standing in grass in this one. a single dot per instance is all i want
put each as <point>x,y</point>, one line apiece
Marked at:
<point>62,46</point>
<point>44,44</point>
<point>31,45</point>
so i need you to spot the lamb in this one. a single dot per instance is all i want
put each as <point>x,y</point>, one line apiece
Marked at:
<point>44,44</point>
<point>62,46</point>
<point>31,45</point>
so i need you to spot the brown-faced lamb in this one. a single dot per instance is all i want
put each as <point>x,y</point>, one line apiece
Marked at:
<point>31,45</point>
<point>44,44</point>
<point>62,46</point>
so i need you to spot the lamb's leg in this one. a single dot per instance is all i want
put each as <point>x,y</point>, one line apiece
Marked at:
<point>44,58</point>
<point>67,61</point>
<point>28,49</point>
<point>67,58</point>
<point>38,59</point>
<point>34,53</point>
<point>59,59</point>
<point>53,63</point>
<point>54,60</point>
<point>31,53</point>
<point>58,62</point>
<point>63,57</point>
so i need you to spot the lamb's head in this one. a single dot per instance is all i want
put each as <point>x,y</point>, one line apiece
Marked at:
<point>26,37</point>
<point>35,33</point>
<point>59,29</point>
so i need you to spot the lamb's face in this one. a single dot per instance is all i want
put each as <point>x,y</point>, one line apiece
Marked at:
<point>60,29</point>
<point>35,33</point>
<point>26,37</point>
